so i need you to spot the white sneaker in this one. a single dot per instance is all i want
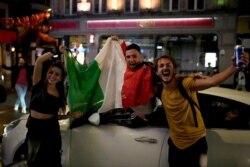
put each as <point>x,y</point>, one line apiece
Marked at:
<point>16,108</point>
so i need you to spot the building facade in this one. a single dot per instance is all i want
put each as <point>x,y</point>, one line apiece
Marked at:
<point>195,32</point>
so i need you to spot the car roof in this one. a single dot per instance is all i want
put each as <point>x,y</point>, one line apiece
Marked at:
<point>240,96</point>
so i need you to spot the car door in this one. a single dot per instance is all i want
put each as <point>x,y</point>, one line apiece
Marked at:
<point>228,134</point>
<point>115,146</point>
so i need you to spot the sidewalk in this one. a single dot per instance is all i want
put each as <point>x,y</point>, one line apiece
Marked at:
<point>7,113</point>
<point>11,99</point>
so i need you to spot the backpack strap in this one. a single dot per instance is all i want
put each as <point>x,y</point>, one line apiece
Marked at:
<point>190,100</point>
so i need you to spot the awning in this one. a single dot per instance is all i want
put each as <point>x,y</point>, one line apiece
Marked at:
<point>7,36</point>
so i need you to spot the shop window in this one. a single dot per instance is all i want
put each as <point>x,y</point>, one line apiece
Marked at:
<point>191,51</point>
<point>100,6</point>
<point>78,46</point>
<point>74,6</point>
<point>67,6</point>
<point>146,43</point>
<point>210,57</point>
<point>83,6</point>
<point>149,5</point>
<point>170,5</point>
<point>131,6</point>
<point>62,7</point>
<point>115,5</point>
<point>195,4</point>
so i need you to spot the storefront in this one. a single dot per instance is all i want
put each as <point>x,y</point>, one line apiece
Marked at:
<point>192,41</point>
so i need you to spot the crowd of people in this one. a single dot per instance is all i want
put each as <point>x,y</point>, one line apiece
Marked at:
<point>187,141</point>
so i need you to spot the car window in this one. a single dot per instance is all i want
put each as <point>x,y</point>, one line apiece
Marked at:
<point>221,112</point>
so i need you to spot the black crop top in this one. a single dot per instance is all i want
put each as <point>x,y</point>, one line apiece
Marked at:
<point>43,102</point>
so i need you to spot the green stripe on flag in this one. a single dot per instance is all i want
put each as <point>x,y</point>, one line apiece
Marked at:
<point>85,93</point>
<point>97,88</point>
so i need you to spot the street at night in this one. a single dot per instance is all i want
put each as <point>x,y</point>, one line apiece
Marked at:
<point>7,113</point>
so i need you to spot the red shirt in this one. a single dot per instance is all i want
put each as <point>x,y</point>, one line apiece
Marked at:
<point>22,77</point>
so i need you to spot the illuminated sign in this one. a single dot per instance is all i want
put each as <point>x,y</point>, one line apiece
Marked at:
<point>151,23</point>
<point>70,25</point>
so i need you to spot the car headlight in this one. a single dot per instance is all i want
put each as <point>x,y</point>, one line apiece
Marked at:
<point>11,126</point>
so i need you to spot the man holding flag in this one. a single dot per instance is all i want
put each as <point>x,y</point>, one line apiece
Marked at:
<point>116,79</point>
<point>111,81</point>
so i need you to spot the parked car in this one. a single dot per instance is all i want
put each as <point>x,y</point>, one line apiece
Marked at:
<point>226,114</point>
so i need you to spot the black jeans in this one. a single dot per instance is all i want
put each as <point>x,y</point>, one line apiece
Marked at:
<point>44,143</point>
<point>189,157</point>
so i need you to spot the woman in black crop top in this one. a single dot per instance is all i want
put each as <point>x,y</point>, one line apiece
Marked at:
<point>43,136</point>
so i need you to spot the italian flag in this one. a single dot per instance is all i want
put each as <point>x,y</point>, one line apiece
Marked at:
<point>97,88</point>
<point>106,83</point>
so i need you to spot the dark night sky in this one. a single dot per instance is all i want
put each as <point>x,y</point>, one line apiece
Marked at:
<point>19,8</point>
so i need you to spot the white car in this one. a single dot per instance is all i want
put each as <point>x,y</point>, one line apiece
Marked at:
<point>226,113</point>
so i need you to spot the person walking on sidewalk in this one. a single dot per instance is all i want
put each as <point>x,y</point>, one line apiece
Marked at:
<point>21,79</point>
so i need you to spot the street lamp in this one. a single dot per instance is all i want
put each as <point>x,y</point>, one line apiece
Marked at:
<point>12,54</point>
<point>13,49</point>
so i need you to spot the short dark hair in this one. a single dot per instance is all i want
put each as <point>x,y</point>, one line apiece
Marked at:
<point>133,46</point>
<point>165,57</point>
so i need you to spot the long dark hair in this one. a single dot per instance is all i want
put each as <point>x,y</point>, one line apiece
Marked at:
<point>60,84</point>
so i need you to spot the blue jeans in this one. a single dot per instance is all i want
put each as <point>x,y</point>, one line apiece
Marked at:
<point>21,93</point>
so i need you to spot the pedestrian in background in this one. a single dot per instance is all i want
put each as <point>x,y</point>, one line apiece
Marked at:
<point>209,70</point>
<point>21,80</point>
<point>187,141</point>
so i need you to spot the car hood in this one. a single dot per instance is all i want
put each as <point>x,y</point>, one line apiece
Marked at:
<point>240,96</point>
